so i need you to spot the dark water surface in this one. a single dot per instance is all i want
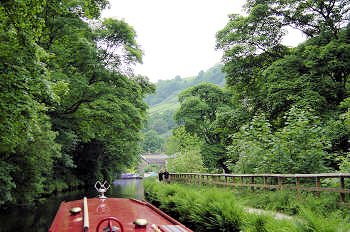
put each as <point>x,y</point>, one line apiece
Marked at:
<point>38,218</point>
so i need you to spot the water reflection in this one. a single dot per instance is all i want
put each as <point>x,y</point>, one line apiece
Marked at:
<point>128,188</point>
<point>38,218</point>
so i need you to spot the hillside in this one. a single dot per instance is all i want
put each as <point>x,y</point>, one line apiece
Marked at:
<point>168,103</point>
<point>166,89</point>
<point>164,103</point>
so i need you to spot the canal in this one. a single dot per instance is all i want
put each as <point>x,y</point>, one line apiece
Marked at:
<point>38,218</point>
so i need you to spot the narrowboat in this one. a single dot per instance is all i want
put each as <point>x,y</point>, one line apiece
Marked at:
<point>102,214</point>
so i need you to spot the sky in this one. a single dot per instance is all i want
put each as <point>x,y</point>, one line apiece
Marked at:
<point>178,36</point>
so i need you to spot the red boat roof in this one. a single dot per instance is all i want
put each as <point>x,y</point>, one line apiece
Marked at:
<point>123,209</point>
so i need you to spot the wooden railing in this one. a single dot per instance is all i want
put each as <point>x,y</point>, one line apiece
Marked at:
<point>298,182</point>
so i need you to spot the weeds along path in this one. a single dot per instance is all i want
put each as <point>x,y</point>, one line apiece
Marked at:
<point>215,209</point>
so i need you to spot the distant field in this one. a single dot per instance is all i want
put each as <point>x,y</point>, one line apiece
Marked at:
<point>170,103</point>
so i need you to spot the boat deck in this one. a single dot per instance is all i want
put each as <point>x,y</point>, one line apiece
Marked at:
<point>125,210</point>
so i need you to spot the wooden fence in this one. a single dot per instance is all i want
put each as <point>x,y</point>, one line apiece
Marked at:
<point>340,182</point>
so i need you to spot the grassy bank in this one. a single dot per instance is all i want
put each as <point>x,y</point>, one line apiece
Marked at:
<point>219,209</point>
<point>290,203</point>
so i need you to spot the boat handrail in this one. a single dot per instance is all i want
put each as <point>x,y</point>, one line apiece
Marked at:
<point>86,215</point>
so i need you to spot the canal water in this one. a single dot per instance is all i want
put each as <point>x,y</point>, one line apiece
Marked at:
<point>38,218</point>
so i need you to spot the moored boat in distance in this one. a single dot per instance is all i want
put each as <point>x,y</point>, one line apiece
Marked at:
<point>112,215</point>
<point>130,176</point>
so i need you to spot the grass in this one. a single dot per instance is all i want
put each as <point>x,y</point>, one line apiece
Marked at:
<point>160,108</point>
<point>170,103</point>
<point>290,203</point>
<point>219,209</point>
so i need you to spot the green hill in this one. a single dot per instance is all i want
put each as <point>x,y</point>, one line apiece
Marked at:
<point>165,89</point>
<point>168,103</point>
<point>164,103</point>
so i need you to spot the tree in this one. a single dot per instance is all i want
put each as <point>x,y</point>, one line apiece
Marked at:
<point>26,137</point>
<point>299,147</point>
<point>310,17</point>
<point>188,156</point>
<point>315,74</point>
<point>252,43</point>
<point>102,102</point>
<point>198,111</point>
<point>250,150</point>
<point>270,79</point>
<point>152,142</point>
<point>246,55</point>
<point>266,22</point>
<point>67,99</point>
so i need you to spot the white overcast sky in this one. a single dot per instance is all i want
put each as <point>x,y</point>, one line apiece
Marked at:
<point>177,36</point>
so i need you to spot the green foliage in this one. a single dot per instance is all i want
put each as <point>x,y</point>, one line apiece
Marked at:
<point>26,137</point>
<point>6,180</point>
<point>200,210</point>
<point>198,112</point>
<point>310,17</point>
<point>152,142</point>
<point>218,209</point>
<point>113,35</point>
<point>301,145</point>
<point>314,75</point>
<point>185,151</point>
<point>265,23</point>
<point>152,168</point>
<point>186,161</point>
<point>161,122</point>
<point>166,88</point>
<point>68,102</point>
<point>292,102</point>
<point>171,145</point>
<point>315,213</point>
<point>345,164</point>
<point>164,102</point>
<point>298,147</point>
<point>250,150</point>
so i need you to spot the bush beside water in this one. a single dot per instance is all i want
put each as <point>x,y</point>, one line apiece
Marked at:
<point>219,209</point>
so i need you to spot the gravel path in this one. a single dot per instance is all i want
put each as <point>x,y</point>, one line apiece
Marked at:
<point>276,215</point>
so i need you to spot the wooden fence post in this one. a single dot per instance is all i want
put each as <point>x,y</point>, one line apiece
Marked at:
<point>318,185</point>
<point>297,183</point>
<point>280,184</point>
<point>342,187</point>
